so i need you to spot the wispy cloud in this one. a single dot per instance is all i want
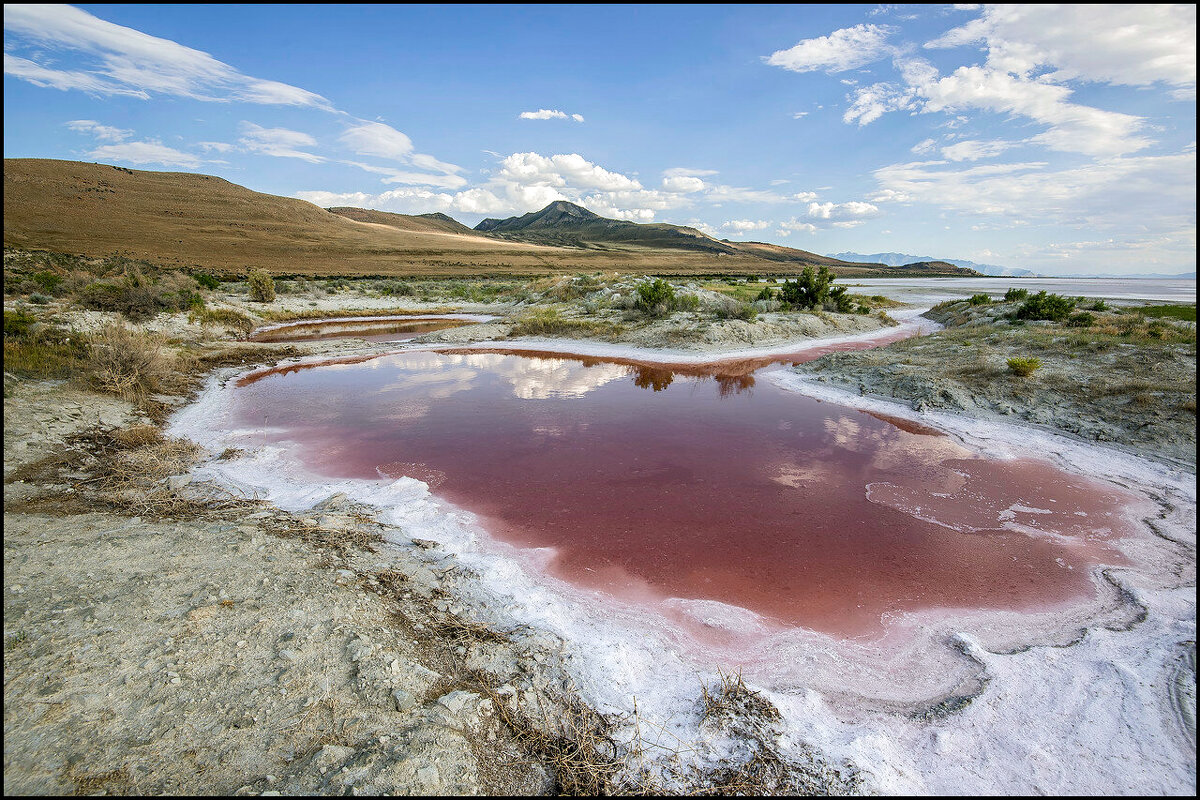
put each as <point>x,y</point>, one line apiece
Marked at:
<point>123,61</point>
<point>104,133</point>
<point>147,152</point>
<point>546,113</point>
<point>278,142</point>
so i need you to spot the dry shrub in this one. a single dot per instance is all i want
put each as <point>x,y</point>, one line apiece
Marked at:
<point>131,364</point>
<point>759,767</point>
<point>340,539</point>
<point>578,744</point>
<point>262,286</point>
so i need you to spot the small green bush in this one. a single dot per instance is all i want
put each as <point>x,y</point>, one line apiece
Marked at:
<point>766,294</point>
<point>207,281</point>
<point>1099,305</point>
<point>17,323</point>
<point>686,302</point>
<point>655,297</point>
<point>1046,306</point>
<point>1013,295</point>
<point>978,300</point>
<point>48,281</point>
<point>1083,319</point>
<point>1024,367</point>
<point>262,287</point>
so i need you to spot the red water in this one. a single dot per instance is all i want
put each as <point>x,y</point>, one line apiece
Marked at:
<point>653,482</point>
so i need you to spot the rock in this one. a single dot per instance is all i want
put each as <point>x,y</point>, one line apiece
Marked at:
<point>330,755</point>
<point>403,700</point>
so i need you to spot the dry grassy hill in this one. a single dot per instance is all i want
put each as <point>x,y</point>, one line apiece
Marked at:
<point>186,219</point>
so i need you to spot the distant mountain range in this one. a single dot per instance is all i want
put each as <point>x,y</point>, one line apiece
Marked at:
<point>566,224</point>
<point>896,259</point>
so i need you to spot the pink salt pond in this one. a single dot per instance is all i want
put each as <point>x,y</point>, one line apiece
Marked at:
<point>653,482</point>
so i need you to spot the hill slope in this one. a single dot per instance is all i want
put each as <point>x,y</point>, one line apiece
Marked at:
<point>187,219</point>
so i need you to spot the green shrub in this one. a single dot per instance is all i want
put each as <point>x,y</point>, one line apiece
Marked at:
<point>1046,306</point>
<point>810,290</point>
<point>394,288</point>
<point>1024,367</point>
<point>686,302</point>
<point>262,287</point>
<point>655,297</point>
<point>207,281</point>
<point>1013,295</point>
<point>766,294</point>
<point>1083,319</point>
<point>39,298</point>
<point>1099,305</point>
<point>978,300</point>
<point>17,323</point>
<point>49,282</point>
<point>130,297</point>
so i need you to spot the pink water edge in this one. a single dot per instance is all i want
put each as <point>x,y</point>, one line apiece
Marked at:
<point>652,482</point>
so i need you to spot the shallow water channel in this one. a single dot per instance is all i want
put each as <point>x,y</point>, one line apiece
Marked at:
<point>657,481</point>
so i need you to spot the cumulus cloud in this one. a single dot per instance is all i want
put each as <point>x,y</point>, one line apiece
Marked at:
<point>123,61</point>
<point>683,183</point>
<point>278,142</point>
<point>546,113</point>
<point>744,225</point>
<point>531,169</point>
<point>841,50</point>
<point>1131,45</point>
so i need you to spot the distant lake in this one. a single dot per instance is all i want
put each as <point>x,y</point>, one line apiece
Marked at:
<point>936,290</point>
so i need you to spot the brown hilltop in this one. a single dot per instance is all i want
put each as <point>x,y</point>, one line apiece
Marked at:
<point>188,219</point>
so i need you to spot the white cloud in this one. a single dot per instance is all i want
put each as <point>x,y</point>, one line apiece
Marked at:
<point>973,150</point>
<point>279,142</point>
<point>377,139</point>
<point>872,102</point>
<point>675,172</point>
<point>218,147</point>
<point>1132,45</point>
<point>799,114</point>
<point>1098,196</point>
<point>531,169</point>
<point>546,113</point>
<point>683,184</point>
<point>148,152</point>
<point>128,62</point>
<point>841,50</point>
<point>744,225</point>
<point>842,212</point>
<point>104,133</point>
<point>393,175</point>
<point>924,146</point>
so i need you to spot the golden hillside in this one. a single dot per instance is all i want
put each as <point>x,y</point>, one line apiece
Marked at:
<point>186,219</point>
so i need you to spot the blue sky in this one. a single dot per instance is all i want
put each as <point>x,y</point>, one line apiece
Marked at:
<point>1054,138</point>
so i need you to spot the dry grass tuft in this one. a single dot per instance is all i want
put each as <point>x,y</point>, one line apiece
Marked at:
<point>342,540</point>
<point>130,364</point>
<point>580,746</point>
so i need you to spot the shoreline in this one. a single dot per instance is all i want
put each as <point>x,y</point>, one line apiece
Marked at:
<point>796,702</point>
